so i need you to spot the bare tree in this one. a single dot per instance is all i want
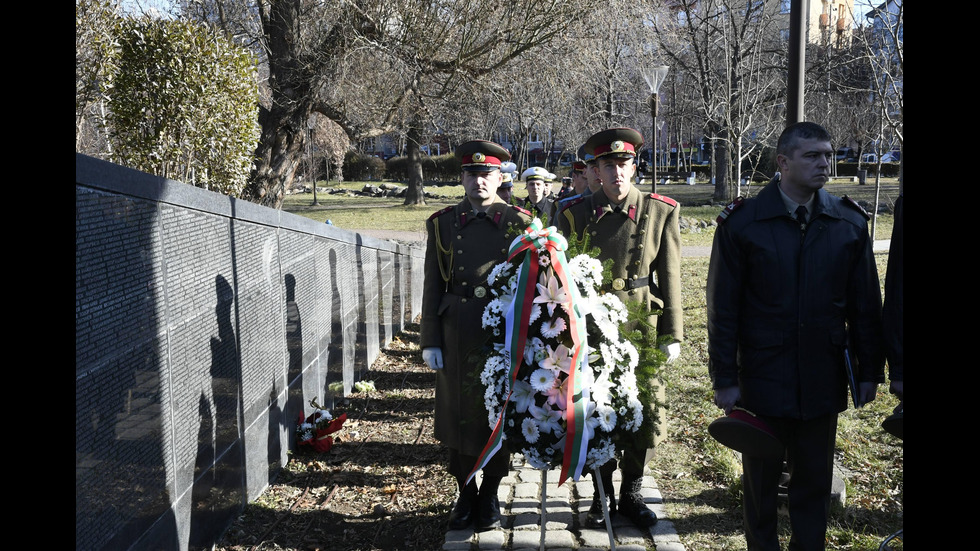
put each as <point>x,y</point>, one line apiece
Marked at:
<point>375,67</point>
<point>730,54</point>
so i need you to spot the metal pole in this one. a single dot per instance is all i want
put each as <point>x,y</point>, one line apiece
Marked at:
<point>797,61</point>
<point>653,165</point>
<point>605,508</point>
<point>544,509</point>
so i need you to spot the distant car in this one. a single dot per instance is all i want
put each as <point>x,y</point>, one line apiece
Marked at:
<point>869,158</point>
<point>891,157</point>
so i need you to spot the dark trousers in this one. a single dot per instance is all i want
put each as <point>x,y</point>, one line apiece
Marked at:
<point>631,465</point>
<point>810,462</point>
<point>460,465</point>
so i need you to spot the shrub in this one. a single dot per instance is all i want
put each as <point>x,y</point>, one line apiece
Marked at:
<point>360,166</point>
<point>184,104</point>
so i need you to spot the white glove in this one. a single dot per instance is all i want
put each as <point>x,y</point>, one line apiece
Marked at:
<point>672,350</point>
<point>432,357</point>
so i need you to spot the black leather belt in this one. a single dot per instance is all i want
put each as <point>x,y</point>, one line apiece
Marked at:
<point>470,291</point>
<point>623,284</point>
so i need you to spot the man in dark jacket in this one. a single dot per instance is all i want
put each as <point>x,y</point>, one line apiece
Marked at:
<point>792,285</point>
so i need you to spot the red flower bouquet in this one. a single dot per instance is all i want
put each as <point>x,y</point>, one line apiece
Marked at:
<point>315,429</point>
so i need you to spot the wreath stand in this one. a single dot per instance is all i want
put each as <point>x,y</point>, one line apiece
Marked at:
<point>602,497</point>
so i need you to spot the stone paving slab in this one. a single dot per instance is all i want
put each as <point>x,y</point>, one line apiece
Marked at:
<point>565,512</point>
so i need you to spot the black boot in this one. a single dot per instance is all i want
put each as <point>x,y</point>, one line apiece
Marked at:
<point>595,518</point>
<point>631,504</point>
<point>462,514</point>
<point>488,505</point>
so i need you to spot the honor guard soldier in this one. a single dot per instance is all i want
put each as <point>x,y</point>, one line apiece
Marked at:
<point>580,183</point>
<point>538,202</point>
<point>506,189</point>
<point>640,232</point>
<point>464,243</point>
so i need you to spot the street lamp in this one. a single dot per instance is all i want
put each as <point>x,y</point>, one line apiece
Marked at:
<point>654,77</point>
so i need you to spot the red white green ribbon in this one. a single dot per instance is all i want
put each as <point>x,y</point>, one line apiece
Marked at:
<point>517,320</point>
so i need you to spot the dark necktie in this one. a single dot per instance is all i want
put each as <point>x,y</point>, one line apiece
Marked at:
<point>801,216</point>
<point>618,209</point>
<point>484,215</point>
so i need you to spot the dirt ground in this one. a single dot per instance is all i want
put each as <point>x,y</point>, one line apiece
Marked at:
<point>382,486</point>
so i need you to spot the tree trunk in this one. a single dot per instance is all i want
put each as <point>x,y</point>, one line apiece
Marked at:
<point>414,195</point>
<point>722,164</point>
<point>281,146</point>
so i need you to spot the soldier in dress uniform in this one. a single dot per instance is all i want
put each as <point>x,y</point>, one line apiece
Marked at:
<point>641,234</point>
<point>506,189</point>
<point>580,183</point>
<point>566,188</point>
<point>538,202</point>
<point>549,187</point>
<point>591,175</point>
<point>465,242</point>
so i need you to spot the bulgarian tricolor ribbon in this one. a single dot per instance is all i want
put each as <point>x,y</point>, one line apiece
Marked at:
<point>532,242</point>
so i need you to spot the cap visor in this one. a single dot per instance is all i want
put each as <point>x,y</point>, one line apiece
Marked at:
<point>745,438</point>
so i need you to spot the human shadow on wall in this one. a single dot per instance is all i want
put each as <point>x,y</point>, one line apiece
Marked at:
<point>220,493</point>
<point>294,368</point>
<point>277,424</point>
<point>334,381</point>
<point>365,297</point>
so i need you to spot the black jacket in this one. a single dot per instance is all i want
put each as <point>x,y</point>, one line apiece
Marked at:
<point>783,304</point>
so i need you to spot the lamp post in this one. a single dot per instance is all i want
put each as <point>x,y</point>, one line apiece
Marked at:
<point>654,77</point>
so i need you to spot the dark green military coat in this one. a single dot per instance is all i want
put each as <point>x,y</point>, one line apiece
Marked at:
<point>644,242</point>
<point>461,250</point>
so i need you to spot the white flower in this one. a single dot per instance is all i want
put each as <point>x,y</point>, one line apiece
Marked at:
<point>534,351</point>
<point>586,269</point>
<point>530,430</point>
<point>602,387</point>
<point>498,271</point>
<point>631,352</point>
<point>546,418</point>
<point>321,415</point>
<point>522,396</point>
<point>544,259</point>
<point>552,328</point>
<point>535,314</point>
<point>600,453</point>
<point>607,418</point>
<point>491,314</point>
<point>542,379</point>
<point>550,292</point>
<point>557,359</point>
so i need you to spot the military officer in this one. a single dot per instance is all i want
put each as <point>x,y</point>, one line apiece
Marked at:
<point>580,183</point>
<point>641,234</point>
<point>506,189</point>
<point>538,202</point>
<point>465,242</point>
